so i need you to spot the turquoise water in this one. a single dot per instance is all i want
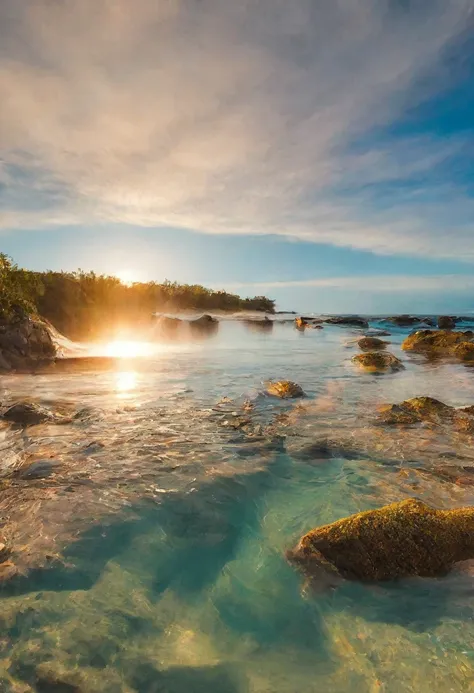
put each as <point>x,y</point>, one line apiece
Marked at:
<point>148,549</point>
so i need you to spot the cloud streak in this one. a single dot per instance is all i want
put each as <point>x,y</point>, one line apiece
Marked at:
<point>230,117</point>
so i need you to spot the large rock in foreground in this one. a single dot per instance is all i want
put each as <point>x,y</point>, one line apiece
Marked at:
<point>378,362</point>
<point>441,343</point>
<point>25,343</point>
<point>399,540</point>
<point>428,410</point>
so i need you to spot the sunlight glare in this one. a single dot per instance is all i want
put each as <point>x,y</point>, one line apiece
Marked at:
<point>125,382</point>
<point>128,349</point>
<point>126,276</point>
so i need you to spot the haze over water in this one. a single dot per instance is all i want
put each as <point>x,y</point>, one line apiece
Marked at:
<point>149,533</point>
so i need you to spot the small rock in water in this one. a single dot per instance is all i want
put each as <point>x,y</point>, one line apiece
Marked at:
<point>378,362</point>
<point>27,414</point>
<point>39,469</point>
<point>446,322</point>
<point>371,343</point>
<point>428,409</point>
<point>284,389</point>
<point>403,539</point>
<point>440,343</point>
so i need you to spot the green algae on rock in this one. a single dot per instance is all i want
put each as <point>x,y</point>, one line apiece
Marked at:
<point>427,409</point>
<point>403,539</point>
<point>371,343</point>
<point>436,341</point>
<point>284,389</point>
<point>378,362</point>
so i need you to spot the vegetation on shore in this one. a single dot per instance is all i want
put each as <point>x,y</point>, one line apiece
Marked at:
<point>79,303</point>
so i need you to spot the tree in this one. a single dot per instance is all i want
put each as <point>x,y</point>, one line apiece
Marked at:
<point>18,290</point>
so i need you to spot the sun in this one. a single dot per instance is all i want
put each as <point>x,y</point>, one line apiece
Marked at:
<point>126,276</point>
<point>127,349</point>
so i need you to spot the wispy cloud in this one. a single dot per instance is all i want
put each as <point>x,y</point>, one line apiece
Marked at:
<point>230,117</point>
<point>373,284</point>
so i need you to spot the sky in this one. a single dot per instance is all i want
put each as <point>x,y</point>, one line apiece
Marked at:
<point>320,152</point>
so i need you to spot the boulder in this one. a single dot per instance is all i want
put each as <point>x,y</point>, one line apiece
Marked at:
<point>428,410</point>
<point>400,540</point>
<point>205,322</point>
<point>351,321</point>
<point>464,351</point>
<point>437,342</point>
<point>371,343</point>
<point>378,362</point>
<point>446,322</point>
<point>25,342</point>
<point>29,414</point>
<point>404,320</point>
<point>284,389</point>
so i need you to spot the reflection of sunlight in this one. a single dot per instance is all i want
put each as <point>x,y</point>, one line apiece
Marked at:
<point>123,349</point>
<point>125,381</point>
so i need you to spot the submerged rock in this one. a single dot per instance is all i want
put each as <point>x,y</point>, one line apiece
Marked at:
<point>427,409</point>
<point>370,343</point>
<point>284,389</point>
<point>259,323</point>
<point>439,342</point>
<point>351,321</point>
<point>378,362</point>
<point>403,539</point>
<point>28,414</point>
<point>446,322</point>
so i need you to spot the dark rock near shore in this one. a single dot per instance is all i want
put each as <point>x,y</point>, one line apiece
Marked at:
<point>446,322</point>
<point>205,322</point>
<point>378,362</point>
<point>403,539</point>
<point>29,414</point>
<point>24,343</point>
<point>259,323</point>
<point>404,320</point>
<point>352,321</point>
<point>371,343</point>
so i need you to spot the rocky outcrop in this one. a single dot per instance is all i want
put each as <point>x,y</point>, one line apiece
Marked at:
<point>446,322</point>
<point>284,389</point>
<point>29,414</point>
<point>378,362</point>
<point>371,343</point>
<point>25,343</point>
<point>441,343</point>
<point>205,322</point>
<point>428,410</point>
<point>404,320</point>
<point>399,540</point>
<point>351,321</point>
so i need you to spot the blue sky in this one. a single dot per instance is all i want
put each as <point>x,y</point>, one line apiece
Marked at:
<point>320,153</point>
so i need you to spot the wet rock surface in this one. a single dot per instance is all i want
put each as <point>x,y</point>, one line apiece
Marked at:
<point>371,343</point>
<point>25,343</point>
<point>284,389</point>
<point>29,414</point>
<point>446,322</point>
<point>428,409</point>
<point>403,539</point>
<point>351,321</point>
<point>439,343</point>
<point>378,362</point>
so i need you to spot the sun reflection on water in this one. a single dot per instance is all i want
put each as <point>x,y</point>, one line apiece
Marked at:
<point>125,382</point>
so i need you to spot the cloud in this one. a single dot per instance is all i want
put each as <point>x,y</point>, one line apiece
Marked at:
<point>250,117</point>
<point>397,283</point>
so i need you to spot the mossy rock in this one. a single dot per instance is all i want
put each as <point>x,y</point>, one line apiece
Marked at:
<point>464,351</point>
<point>436,341</point>
<point>378,362</point>
<point>403,539</point>
<point>428,409</point>
<point>371,343</point>
<point>284,389</point>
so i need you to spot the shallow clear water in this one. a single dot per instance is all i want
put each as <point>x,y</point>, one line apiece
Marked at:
<point>148,535</point>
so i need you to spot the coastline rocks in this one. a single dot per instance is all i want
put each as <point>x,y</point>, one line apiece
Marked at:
<point>257,323</point>
<point>464,351</point>
<point>439,342</point>
<point>375,332</point>
<point>205,322</point>
<point>371,343</point>
<point>428,409</point>
<point>446,322</point>
<point>378,362</point>
<point>404,320</point>
<point>29,414</point>
<point>399,540</point>
<point>24,343</point>
<point>352,321</point>
<point>284,389</point>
